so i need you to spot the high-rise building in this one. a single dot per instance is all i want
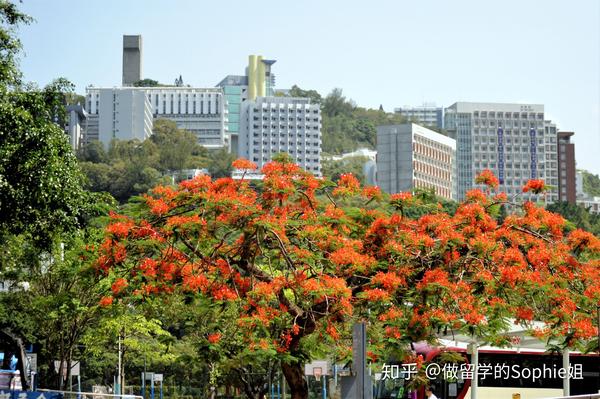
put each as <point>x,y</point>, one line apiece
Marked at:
<point>77,125</point>
<point>132,59</point>
<point>410,156</point>
<point>258,81</point>
<point>270,125</point>
<point>567,190</point>
<point>512,140</point>
<point>127,113</point>
<point>425,115</point>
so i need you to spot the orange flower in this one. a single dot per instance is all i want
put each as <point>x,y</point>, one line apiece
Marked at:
<point>488,178</point>
<point>536,186</point>
<point>242,163</point>
<point>405,196</point>
<point>119,285</point>
<point>347,185</point>
<point>106,301</point>
<point>214,338</point>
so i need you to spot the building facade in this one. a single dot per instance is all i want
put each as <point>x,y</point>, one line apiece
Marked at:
<point>512,140</point>
<point>121,113</point>
<point>425,115</point>
<point>259,81</point>
<point>128,113</point>
<point>270,125</point>
<point>567,190</point>
<point>410,156</point>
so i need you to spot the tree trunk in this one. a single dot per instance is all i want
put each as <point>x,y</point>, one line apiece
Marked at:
<point>294,375</point>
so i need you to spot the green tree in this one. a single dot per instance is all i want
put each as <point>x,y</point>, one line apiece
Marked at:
<point>333,169</point>
<point>40,183</point>
<point>314,95</point>
<point>578,216</point>
<point>591,183</point>
<point>178,148</point>
<point>93,152</point>
<point>220,163</point>
<point>146,83</point>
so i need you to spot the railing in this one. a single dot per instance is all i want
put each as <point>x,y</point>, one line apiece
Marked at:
<point>83,395</point>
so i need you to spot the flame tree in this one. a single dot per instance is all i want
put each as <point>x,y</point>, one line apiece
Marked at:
<point>300,256</point>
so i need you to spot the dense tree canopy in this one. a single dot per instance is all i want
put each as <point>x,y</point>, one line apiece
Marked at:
<point>346,127</point>
<point>40,183</point>
<point>132,167</point>
<point>591,183</point>
<point>299,265</point>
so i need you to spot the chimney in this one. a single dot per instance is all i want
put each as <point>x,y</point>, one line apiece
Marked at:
<point>132,59</point>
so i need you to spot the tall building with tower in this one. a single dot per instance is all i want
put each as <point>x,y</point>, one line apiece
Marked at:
<point>513,140</point>
<point>258,81</point>
<point>132,59</point>
<point>127,113</point>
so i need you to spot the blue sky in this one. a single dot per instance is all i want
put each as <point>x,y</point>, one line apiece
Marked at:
<point>393,53</point>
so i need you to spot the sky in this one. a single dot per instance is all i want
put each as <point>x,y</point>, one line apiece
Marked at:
<point>391,53</point>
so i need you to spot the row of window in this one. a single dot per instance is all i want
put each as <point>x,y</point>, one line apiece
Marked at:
<point>291,119</point>
<point>508,115</point>
<point>291,143</point>
<point>290,110</point>
<point>288,127</point>
<point>292,135</point>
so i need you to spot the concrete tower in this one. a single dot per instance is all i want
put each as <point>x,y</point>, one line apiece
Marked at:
<point>132,59</point>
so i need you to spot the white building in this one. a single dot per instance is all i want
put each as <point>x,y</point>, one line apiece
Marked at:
<point>512,140</point>
<point>128,113</point>
<point>270,125</point>
<point>411,156</point>
<point>427,114</point>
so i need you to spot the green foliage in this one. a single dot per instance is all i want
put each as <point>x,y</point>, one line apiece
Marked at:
<point>578,216</point>
<point>178,148</point>
<point>345,126</point>
<point>132,167</point>
<point>40,182</point>
<point>333,169</point>
<point>591,183</point>
<point>147,83</point>
<point>93,152</point>
<point>10,45</point>
<point>220,163</point>
<point>314,96</point>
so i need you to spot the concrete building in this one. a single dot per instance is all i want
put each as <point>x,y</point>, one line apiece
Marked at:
<point>128,113</point>
<point>512,140</point>
<point>259,81</point>
<point>122,113</point>
<point>567,190</point>
<point>132,59</point>
<point>270,125</point>
<point>77,125</point>
<point>426,115</point>
<point>410,156</point>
